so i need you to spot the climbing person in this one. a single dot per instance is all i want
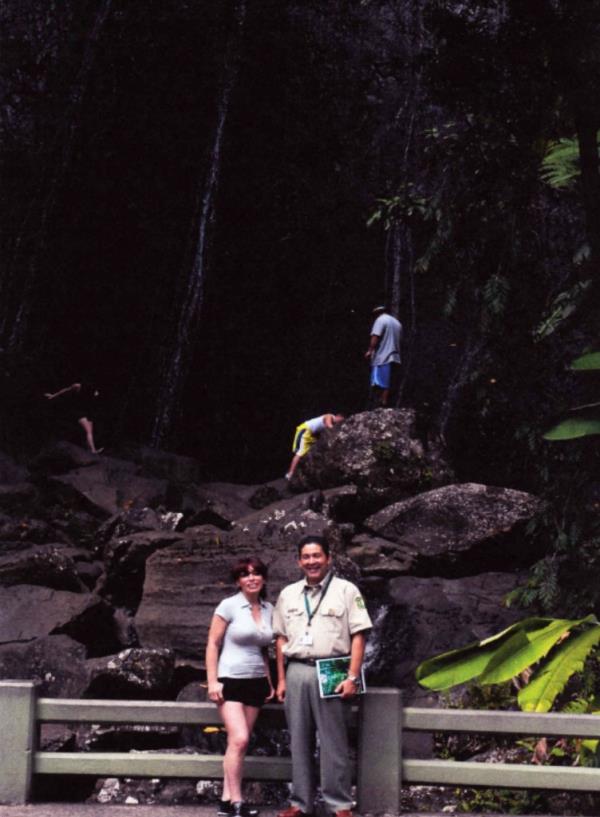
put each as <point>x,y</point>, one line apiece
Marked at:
<point>384,356</point>
<point>306,435</point>
<point>320,616</point>
<point>238,672</point>
<point>81,405</point>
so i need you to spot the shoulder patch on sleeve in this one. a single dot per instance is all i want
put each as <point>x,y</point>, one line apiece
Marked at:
<point>360,602</point>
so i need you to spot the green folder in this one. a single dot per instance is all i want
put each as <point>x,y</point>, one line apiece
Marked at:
<point>332,671</point>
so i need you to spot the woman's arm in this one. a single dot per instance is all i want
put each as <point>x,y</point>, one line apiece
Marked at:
<point>216,633</point>
<point>50,396</point>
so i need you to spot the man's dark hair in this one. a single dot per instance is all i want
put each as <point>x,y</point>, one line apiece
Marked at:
<point>314,540</point>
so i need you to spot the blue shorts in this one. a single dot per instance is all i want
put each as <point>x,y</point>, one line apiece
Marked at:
<point>381,376</point>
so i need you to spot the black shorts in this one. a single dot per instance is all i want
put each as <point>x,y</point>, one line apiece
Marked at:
<point>248,691</point>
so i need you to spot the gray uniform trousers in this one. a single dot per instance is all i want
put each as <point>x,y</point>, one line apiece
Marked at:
<point>306,710</point>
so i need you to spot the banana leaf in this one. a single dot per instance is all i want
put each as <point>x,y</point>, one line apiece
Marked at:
<point>586,362</point>
<point>523,649</point>
<point>549,680</point>
<point>459,666</point>
<point>573,428</point>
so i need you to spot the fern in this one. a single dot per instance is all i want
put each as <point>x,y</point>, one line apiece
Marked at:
<point>560,166</point>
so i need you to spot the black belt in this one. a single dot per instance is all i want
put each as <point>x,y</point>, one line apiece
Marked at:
<point>312,662</point>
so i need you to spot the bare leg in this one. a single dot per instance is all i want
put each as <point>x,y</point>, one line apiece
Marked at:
<point>88,428</point>
<point>239,721</point>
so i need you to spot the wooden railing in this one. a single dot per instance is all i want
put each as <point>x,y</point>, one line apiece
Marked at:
<point>380,770</point>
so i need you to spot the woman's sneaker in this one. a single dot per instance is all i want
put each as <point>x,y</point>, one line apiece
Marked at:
<point>244,810</point>
<point>229,809</point>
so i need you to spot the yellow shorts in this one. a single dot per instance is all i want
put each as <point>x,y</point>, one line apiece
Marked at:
<point>303,439</point>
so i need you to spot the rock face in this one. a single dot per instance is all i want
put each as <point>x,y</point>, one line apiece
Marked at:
<point>100,554</point>
<point>460,530</point>
<point>378,451</point>
<point>427,616</point>
<point>185,582</point>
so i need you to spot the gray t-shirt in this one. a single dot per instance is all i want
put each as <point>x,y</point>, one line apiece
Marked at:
<point>241,655</point>
<point>389,332</point>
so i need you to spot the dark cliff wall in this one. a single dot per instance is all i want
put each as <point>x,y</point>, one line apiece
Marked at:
<point>110,133</point>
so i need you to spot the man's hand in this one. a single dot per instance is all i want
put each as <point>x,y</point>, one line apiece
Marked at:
<point>281,690</point>
<point>368,353</point>
<point>347,688</point>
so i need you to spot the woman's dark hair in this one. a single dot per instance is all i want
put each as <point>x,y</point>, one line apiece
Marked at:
<point>241,567</point>
<point>313,540</point>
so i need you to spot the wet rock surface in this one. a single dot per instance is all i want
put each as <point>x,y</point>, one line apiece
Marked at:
<point>111,555</point>
<point>110,571</point>
<point>379,452</point>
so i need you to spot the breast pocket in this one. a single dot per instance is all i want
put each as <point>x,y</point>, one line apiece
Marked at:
<point>331,619</point>
<point>294,622</point>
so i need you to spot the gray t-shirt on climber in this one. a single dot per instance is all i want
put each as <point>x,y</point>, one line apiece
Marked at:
<point>389,332</point>
<point>241,655</point>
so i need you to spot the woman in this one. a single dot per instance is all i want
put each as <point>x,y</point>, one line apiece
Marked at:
<point>82,403</point>
<point>238,674</point>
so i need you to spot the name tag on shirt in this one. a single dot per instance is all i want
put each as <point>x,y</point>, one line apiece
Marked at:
<point>306,640</point>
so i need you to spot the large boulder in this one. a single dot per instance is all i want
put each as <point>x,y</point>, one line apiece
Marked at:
<point>10,471</point>
<point>219,503</point>
<point>108,487</point>
<point>132,674</point>
<point>46,565</point>
<point>60,457</point>
<point>135,520</point>
<point>30,612</point>
<point>185,581</point>
<point>460,530</point>
<point>21,528</point>
<point>18,497</point>
<point>125,558</point>
<point>57,663</point>
<point>427,616</point>
<point>166,465</point>
<point>380,452</point>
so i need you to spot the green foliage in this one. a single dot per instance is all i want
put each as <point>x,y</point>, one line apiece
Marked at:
<point>515,650</point>
<point>507,801</point>
<point>587,362</point>
<point>572,429</point>
<point>560,165</point>
<point>467,663</point>
<point>579,426</point>
<point>563,305</point>
<point>495,294</point>
<point>550,680</point>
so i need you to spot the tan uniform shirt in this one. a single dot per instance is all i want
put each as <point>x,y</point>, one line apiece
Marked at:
<point>341,614</point>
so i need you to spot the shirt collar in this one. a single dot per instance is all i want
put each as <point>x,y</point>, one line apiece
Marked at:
<point>306,586</point>
<point>246,603</point>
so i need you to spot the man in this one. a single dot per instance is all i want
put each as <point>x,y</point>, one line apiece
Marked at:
<point>384,355</point>
<point>306,435</point>
<point>321,616</point>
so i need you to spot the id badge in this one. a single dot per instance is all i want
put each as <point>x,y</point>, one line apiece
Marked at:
<point>306,640</point>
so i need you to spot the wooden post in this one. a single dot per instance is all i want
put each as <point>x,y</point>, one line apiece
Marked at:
<point>380,751</point>
<point>17,729</point>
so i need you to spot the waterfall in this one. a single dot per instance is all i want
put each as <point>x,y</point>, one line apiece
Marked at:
<point>17,290</point>
<point>189,310</point>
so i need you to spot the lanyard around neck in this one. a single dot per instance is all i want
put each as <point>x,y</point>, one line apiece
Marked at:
<point>312,613</point>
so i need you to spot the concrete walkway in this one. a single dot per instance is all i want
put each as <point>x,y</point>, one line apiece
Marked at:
<point>95,810</point>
